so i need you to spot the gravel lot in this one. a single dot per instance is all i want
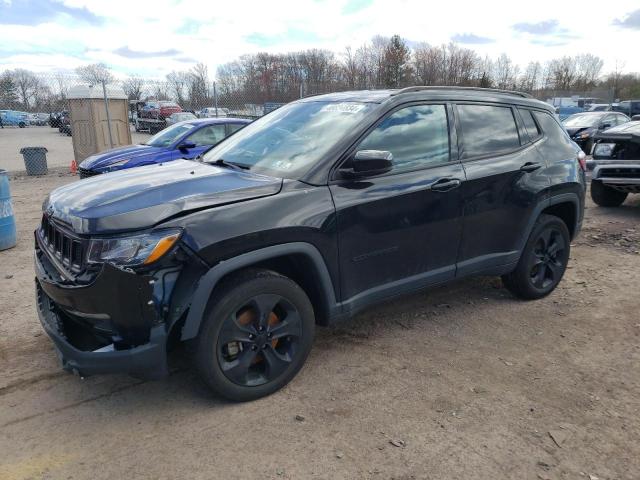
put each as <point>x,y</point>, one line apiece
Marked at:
<point>460,382</point>
<point>59,146</point>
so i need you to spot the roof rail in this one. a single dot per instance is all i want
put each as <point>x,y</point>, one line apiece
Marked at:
<point>419,88</point>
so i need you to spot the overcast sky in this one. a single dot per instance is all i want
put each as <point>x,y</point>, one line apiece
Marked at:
<point>153,38</point>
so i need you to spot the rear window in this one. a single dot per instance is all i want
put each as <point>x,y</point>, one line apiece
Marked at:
<point>487,129</point>
<point>552,129</point>
<point>530,125</point>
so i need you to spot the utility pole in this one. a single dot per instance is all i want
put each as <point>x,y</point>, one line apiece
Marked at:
<point>106,107</point>
<point>215,98</point>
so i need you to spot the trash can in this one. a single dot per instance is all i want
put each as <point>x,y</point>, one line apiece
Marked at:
<point>7,221</point>
<point>35,160</point>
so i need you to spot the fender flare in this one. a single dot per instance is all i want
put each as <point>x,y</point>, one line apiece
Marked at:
<point>209,280</point>
<point>546,203</point>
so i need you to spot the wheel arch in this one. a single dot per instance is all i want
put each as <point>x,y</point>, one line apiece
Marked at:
<point>566,206</point>
<point>300,261</point>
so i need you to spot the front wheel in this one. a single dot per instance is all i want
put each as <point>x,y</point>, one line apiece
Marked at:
<point>256,335</point>
<point>543,260</point>
<point>606,196</point>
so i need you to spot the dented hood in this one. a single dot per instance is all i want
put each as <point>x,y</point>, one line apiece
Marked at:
<point>145,196</point>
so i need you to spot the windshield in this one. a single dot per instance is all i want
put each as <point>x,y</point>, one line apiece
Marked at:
<point>582,120</point>
<point>289,140</point>
<point>169,135</point>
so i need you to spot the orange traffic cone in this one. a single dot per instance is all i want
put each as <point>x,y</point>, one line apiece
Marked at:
<point>74,167</point>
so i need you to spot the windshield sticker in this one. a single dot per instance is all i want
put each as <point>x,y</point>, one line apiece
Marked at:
<point>343,107</point>
<point>283,165</point>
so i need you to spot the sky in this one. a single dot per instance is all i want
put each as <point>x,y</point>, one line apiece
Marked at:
<point>153,38</point>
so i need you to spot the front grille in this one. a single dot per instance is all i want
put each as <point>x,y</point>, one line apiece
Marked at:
<point>84,173</point>
<point>617,172</point>
<point>67,249</point>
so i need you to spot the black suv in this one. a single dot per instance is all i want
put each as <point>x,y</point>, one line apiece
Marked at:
<point>306,216</point>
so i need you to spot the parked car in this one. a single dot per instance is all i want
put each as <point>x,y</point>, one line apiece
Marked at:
<point>64,123</point>
<point>310,214</point>
<point>14,118</point>
<point>599,107</point>
<point>582,127</point>
<point>628,107</point>
<point>565,112</point>
<point>38,119</point>
<point>160,110</point>
<point>54,118</point>
<point>616,164</point>
<point>182,140</point>
<point>213,112</point>
<point>180,117</point>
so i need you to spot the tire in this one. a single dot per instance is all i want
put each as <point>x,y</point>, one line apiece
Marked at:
<point>274,345</point>
<point>543,260</point>
<point>606,196</point>
<point>21,125</point>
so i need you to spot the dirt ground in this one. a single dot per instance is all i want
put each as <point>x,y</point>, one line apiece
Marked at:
<point>59,146</point>
<point>460,382</point>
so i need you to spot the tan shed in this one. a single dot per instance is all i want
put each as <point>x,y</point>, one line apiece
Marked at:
<point>89,123</point>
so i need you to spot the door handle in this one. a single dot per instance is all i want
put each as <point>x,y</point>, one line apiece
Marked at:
<point>445,184</point>
<point>530,167</point>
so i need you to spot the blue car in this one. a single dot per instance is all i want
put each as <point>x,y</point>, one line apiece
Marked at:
<point>186,139</point>
<point>12,117</point>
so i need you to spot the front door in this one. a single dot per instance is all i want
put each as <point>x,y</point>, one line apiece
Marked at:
<point>203,139</point>
<point>402,228</point>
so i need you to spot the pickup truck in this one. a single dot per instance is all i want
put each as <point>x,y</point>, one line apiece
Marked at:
<point>616,164</point>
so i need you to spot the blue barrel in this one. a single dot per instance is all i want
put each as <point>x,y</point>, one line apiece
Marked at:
<point>7,221</point>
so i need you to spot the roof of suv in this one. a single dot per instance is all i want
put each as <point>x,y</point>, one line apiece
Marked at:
<point>425,92</point>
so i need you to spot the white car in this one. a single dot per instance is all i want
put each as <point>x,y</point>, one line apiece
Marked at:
<point>180,117</point>
<point>210,112</point>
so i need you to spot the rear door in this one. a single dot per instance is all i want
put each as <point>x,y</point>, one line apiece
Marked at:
<point>401,229</point>
<point>504,180</point>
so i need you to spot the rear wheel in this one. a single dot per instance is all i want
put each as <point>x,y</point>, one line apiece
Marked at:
<point>543,260</point>
<point>256,335</point>
<point>606,196</point>
<point>22,125</point>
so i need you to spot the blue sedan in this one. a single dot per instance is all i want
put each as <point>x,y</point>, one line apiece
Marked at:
<point>186,139</point>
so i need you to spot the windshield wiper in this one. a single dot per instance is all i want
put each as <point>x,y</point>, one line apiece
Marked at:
<point>221,162</point>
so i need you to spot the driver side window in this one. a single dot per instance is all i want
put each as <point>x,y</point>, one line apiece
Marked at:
<point>417,137</point>
<point>209,135</point>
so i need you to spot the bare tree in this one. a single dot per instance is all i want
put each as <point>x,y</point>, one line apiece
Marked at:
<point>26,84</point>
<point>133,87</point>
<point>198,86</point>
<point>94,74</point>
<point>178,82</point>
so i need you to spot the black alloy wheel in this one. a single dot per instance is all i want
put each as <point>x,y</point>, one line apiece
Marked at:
<point>543,260</point>
<point>258,342</point>
<point>255,336</point>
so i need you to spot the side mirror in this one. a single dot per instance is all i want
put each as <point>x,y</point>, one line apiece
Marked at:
<point>367,163</point>
<point>604,126</point>
<point>186,145</point>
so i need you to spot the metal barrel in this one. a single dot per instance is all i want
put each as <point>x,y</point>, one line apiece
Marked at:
<point>7,220</point>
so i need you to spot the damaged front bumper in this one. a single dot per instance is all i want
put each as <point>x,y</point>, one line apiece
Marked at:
<point>111,325</point>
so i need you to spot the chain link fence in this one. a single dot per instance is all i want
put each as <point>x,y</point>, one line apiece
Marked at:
<point>50,110</point>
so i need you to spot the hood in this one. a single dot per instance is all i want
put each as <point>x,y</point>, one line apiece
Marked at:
<point>145,196</point>
<point>629,128</point>
<point>572,131</point>
<point>106,158</point>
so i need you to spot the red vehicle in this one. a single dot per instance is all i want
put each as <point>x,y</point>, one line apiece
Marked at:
<point>159,110</point>
<point>152,115</point>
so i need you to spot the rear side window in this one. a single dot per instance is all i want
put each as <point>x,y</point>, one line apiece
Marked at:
<point>417,137</point>
<point>530,125</point>
<point>552,129</point>
<point>487,129</point>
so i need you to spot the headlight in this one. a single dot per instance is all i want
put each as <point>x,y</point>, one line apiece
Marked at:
<point>117,164</point>
<point>135,250</point>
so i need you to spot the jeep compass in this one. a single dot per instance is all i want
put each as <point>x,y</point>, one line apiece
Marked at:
<point>305,217</point>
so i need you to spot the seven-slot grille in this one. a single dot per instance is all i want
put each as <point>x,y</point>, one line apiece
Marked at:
<point>68,250</point>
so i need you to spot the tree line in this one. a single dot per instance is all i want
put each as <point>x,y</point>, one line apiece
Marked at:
<point>383,62</point>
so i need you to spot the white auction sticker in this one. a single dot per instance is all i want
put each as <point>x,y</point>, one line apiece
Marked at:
<point>343,107</point>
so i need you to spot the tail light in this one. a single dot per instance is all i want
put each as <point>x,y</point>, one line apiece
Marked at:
<point>582,160</point>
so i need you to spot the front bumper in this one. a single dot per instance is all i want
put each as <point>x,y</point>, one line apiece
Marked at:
<point>108,326</point>
<point>622,175</point>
